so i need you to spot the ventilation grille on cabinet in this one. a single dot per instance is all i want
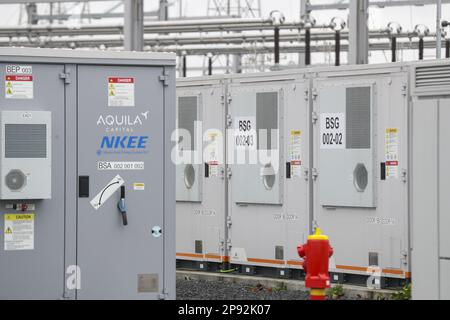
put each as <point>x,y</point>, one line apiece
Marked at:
<point>25,140</point>
<point>358,117</point>
<point>433,76</point>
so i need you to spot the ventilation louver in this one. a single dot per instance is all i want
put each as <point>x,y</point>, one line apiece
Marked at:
<point>433,76</point>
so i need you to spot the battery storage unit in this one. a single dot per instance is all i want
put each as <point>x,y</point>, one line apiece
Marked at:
<point>430,203</point>
<point>87,206</point>
<point>360,182</point>
<point>200,171</point>
<point>268,159</point>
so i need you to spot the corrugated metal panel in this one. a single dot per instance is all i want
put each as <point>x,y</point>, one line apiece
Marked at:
<point>358,118</point>
<point>25,141</point>
<point>433,76</point>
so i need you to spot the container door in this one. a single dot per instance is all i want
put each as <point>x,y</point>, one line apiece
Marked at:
<point>120,168</point>
<point>200,173</point>
<point>255,146</point>
<point>32,237</point>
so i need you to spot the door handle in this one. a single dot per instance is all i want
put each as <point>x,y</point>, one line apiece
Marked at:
<point>122,207</point>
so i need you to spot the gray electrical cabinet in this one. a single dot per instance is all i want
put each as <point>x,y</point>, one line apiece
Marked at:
<point>360,151</point>
<point>268,156</point>
<point>430,203</point>
<point>201,193</point>
<point>87,205</point>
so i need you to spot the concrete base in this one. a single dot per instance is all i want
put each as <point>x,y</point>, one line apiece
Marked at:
<point>350,292</point>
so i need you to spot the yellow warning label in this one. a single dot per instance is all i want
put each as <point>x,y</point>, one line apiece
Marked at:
<point>8,84</point>
<point>8,91</point>
<point>296,132</point>
<point>15,217</point>
<point>8,230</point>
<point>111,86</point>
<point>111,93</point>
<point>391,130</point>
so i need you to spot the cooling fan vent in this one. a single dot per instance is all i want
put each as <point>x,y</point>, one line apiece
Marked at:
<point>15,180</point>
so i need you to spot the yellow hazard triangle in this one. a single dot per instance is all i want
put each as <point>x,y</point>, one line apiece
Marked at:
<point>8,230</point>
<point>9,91</point>
<point>8,84</point>
<point>111,93</point>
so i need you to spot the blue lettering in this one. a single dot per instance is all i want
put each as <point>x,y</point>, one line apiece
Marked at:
<point>132,142</point>
<point>142,142</point>
<point>107,142</point>
<point>125,142</point>
<point>120,142</point>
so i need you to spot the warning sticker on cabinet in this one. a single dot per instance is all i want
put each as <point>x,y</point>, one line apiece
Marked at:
<point>139,186</point>
<point>295,153</point>
<point>391,153</point>
<point>18,82</point>
<point>245,132</point>
<point>19,232</point>
<point>120,92</point>
<point>212,153</point>
<point>332,130</point>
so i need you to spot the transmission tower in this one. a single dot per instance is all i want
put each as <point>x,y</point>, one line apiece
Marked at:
<point>235,8</point>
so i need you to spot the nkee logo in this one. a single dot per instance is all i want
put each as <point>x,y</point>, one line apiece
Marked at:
<point>123,144</point>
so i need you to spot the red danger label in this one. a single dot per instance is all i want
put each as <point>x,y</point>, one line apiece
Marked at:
<point>392,163</point>
<point>18,78</point>
<point>120,80</point>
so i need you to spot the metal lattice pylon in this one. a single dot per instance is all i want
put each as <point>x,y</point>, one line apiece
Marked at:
<point>236,8</point>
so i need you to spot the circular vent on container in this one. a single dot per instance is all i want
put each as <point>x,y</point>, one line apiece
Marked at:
<point>15,180</point>
<point>189,176</point>
<point>268,176</point>
<point>360,177</point>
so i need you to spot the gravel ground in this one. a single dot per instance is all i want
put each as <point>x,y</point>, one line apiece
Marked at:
<point>224,290</point>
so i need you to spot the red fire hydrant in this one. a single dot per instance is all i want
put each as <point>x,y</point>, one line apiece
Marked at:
<point>315,254</point>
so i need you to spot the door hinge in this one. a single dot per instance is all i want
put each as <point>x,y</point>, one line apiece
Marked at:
<point>164,78</point>
<point>306,95</point>
<point>229,98</point>
<point>314,94</point>
<point>314,173</point>
<point>65,76</point>
<point>229,121</point>
<point>222,172</point>
<point>404,87</point>
<point>404,175</point>
<point>229,245</point>
<point>229,222</point>
<point>306,174</point>
<point>314,117</point>
<point>229,173</point>
<point>164,295</point>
